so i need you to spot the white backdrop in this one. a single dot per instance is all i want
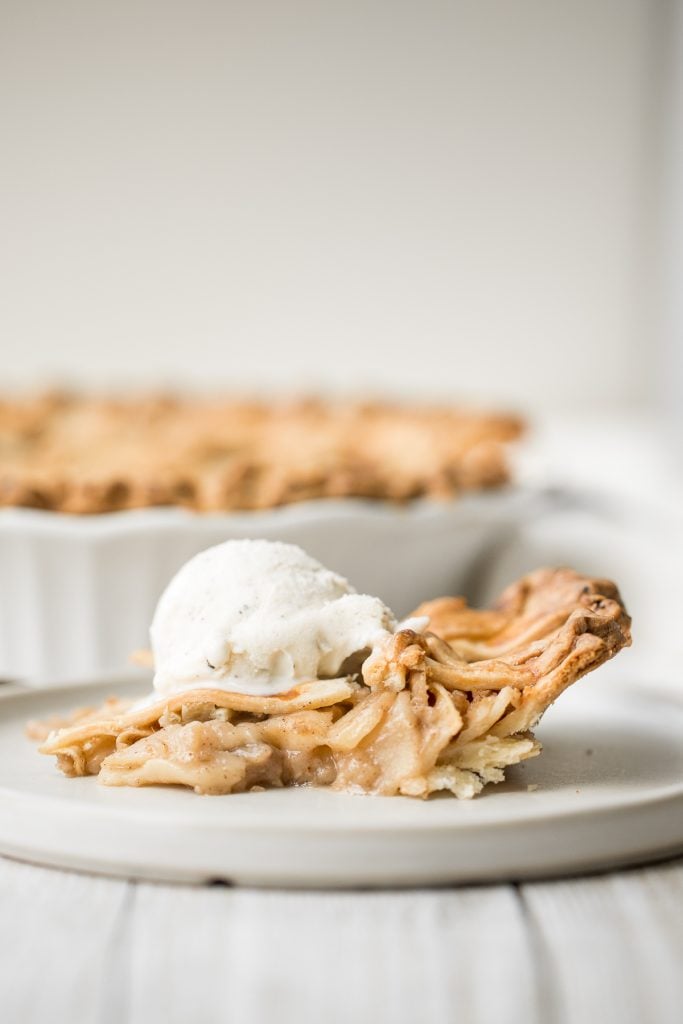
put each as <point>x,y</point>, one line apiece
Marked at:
<point>442,197</point>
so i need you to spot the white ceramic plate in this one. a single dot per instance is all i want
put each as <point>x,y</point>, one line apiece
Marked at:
<point>610,793</point>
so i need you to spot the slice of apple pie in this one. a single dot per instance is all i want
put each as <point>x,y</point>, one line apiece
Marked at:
<point>446,702</point>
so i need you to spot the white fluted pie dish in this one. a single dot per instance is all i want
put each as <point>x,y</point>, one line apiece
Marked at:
<point>77,593</point>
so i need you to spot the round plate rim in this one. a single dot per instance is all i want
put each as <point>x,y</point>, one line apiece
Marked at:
<point>660,800</point>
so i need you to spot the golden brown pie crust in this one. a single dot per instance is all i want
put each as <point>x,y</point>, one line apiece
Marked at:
<point>82,454</point>
<point>444,710</point>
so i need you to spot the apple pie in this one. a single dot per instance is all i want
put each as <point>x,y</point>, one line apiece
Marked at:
<point>82,454</point>
<point>447,705</point>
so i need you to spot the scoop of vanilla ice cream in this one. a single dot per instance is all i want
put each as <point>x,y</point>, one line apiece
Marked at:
<point>256,617</point>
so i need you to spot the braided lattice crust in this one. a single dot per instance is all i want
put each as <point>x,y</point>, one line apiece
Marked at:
<point>448,709</point>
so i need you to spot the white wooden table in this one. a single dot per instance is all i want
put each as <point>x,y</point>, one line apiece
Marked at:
<point>96,950</point>
<point>608,949</point>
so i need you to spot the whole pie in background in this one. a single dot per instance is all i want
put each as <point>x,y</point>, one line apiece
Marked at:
<point>84,454</point>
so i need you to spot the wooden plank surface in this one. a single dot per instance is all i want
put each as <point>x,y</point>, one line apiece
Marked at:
<point>95,950</point>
